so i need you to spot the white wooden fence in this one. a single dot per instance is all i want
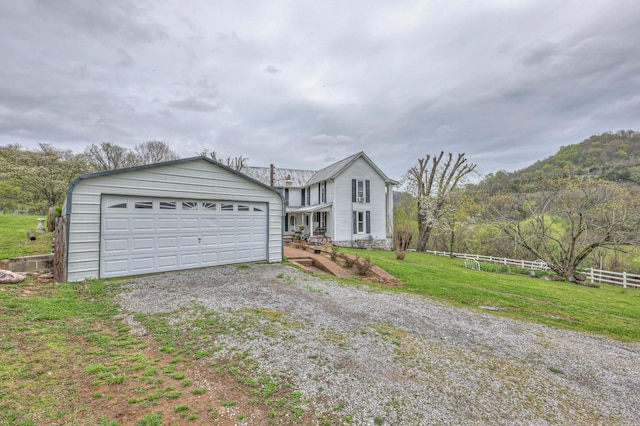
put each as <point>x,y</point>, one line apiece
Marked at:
<point>609,277</point>
<point>624,279</point>
<point>539,265</point>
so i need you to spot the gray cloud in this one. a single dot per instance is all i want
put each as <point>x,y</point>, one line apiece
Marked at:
<point>507,83</point>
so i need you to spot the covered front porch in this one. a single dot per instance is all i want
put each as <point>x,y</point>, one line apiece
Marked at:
<point>309,222</point>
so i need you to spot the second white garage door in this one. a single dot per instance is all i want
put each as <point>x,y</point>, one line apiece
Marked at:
<point>143,235</point>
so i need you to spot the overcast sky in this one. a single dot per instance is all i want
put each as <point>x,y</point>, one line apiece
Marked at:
<point>302,84</point>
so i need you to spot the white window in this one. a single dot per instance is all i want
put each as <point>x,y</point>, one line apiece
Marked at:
<point>208,205</point>
<point>167,205</point>
<point>360,191</point>
<point>189,205</point>
<point>143,204</point>
<point>361,221</point>
<point>226,207</point>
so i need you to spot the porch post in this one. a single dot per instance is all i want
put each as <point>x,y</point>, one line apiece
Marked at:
<point>390,210</point>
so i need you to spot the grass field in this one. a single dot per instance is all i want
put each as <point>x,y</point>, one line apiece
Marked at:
<point>609,310</point>
<point>13,237</point>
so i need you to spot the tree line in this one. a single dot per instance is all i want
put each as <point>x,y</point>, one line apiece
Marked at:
<point>33,180</point>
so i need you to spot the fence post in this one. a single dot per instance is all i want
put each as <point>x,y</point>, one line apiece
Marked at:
<point>591,275</point>
<point>504,261</point>
<point>624,280</point>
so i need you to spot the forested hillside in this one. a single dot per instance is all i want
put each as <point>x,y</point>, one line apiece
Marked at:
<point>611,156</point>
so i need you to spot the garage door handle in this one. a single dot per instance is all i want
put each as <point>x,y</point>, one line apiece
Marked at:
<point>199,240</point>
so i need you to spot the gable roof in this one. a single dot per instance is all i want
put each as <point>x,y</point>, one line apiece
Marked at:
<point>332,171</point>
<point>153,165</point>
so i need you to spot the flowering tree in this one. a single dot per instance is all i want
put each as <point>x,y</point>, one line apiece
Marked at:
<point>432,181</point>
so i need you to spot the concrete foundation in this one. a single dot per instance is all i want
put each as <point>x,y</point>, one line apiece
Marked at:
<point>42,263</point>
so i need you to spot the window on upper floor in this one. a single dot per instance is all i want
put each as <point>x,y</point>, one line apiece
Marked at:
<point>323,191</point>
<point>360,190</point>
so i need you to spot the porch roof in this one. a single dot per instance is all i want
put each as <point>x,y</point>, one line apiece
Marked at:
<point>310,209</point>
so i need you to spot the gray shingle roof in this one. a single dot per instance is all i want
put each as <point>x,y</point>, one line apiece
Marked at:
<point>302,178</point>
<point>298,177</point>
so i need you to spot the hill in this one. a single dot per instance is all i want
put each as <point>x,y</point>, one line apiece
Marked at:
<point>611,156</point>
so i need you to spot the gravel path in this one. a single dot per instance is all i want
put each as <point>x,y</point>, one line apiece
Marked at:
<point>385,357</point>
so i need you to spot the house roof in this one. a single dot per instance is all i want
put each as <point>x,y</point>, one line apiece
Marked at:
<point>281,177</point>
<point>301,178</point>
<point>310,209</point>
<point>332,171</point>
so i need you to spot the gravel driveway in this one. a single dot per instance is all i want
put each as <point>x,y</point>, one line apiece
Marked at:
<point>399,359</point>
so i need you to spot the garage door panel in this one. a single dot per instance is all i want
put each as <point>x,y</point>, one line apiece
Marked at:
<point>208,224</point>
<point>167,242</point>
<point>119,266</point>
<point>189,259</point>
<point>191,241</point>
<point>244,238</point>
<point>143,264</point>
<point>209,241</point>
<point>144,243</point>
<point>168,261</point>
<point>210,257</point>
<point>188,223</point>
<point>143,224</point>
<point>116,224</point>
<point>116,245</point>
<point>159,238</point>
<point>169,223</point>
<point>227,223</point>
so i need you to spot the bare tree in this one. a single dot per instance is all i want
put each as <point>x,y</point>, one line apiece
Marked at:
<point>567,219</point>
<point>154,151</point>
<point>108,156</point>
<point>237,163</point>
<point>432,182</point>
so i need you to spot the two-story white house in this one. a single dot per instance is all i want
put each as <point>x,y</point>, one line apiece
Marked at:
<point>351,200</point>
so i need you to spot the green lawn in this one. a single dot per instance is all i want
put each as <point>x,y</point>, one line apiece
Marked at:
<point>13,237</point>
<point>609,310</point>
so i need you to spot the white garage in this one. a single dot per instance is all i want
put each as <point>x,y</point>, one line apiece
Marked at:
<point>181,214</point>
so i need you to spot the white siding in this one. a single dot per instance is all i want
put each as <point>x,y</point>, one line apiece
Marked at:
<point>343,206</point>
<point>197,179</point>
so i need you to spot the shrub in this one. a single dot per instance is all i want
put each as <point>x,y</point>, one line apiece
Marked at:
<point>363,266</point>
<point>334,253</point>
<point>348,261</point>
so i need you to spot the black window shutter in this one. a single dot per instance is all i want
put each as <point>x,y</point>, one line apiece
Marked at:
<point>303,196</point>
<point>368,223</point>
<point>319,200</point>
<point>367,189</point>
<point>353,190</point>
<point>355,222</point>
<point>286,223</point>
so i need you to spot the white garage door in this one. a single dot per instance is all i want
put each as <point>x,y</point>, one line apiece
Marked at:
<point>143,235</point>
